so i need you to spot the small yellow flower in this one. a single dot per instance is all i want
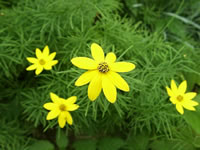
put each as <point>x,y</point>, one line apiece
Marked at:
<point>102,73</point>
<point>180,98</point>
<point>60,108</point>
<point>44,60</point>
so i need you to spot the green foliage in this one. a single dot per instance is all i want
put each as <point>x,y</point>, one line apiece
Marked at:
<point>193,80</point>
<point>166,145</point>
<point>12,135</point>
<point>61,140</point>
<point>138,142</point>
<point>110,143</point>
<point>192,118</point>
<point>41,145</point>
<point>183,139</point>
<point>196,142</point>
<point>85,144</point>
<point>161,38</point>
<point>105,143</point>
<point>7,3</point>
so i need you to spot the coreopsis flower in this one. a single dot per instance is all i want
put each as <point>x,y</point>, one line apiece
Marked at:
<point>43,60</point>
<point>102,73</point>
<point>180,98</point>
<point>61,108</point>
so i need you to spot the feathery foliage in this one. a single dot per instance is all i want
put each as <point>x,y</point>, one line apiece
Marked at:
<point>161,38</point>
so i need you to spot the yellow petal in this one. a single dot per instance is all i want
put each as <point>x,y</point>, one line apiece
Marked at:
<point>173,100</point>
<point>38,70</point>
<point>47,66</point>
<point>94,88</point>
<point>46,51</point>
<point>179,108</point>
<point>53,62</point>
<point>32,67</point>
<point>68,118</point>
<point>122,67</point>
<point>84,63</point>
<point>188,105</point>
<point>61,119</point>
<point>86,77</point>
<point>52,56</point>
<point>53,114</point>
<point>118,81</point>
<point>97,52</point>
<point>55,98</point>
<point>72,107</point>
<point>50,106</point>
<point>110,57</point>
<point>189,95</point>
<point>169,91</point>
<point>173,86</point>
<point>61,100</point>
<point>191,102</point>
<point>71,100</point>
<point>32,59</point>
<point>109,89</point>
<point>182,87</point>
<point>38,53</point>
<point>194,103</point>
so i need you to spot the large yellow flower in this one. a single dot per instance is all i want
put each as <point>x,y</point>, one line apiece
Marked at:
<point>44,60</point>
<point>102,73</point>
<point>180,98</point>
<point>60,108</point>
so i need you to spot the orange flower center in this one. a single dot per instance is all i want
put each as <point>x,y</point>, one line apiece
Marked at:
<point>179,98</point>
<point>62,107</point>
<point>42,62</point>
<point>103,67</point>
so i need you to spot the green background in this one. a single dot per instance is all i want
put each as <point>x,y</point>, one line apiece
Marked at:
<point>160,37</point>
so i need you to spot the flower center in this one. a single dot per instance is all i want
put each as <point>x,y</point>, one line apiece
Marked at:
<point>42,62</point>
<point>179,98</point>
<point>103,67</point>
<point>62,107</point>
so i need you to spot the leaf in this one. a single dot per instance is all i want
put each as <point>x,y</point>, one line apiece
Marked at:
<point>156,145</point>
<point>42,145</point>
<point>197,98</point>
<point>178,25</point>
<point>110,143</point>
<point>170,145</point>
<point>183,19</point>
<point>61,139</point>
<point>192,118</point>
<point>138,142</point>
<point>85,145</point>
<point>197,141</point>
<point>192,79</point>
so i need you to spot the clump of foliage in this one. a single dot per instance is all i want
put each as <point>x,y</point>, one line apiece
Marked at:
<point>161,38</point>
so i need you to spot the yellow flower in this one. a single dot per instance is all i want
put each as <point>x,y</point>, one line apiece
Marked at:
<point>44,60</point>
<point>180,98</point>
<point>102,73</point>
<point>60,108</point>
